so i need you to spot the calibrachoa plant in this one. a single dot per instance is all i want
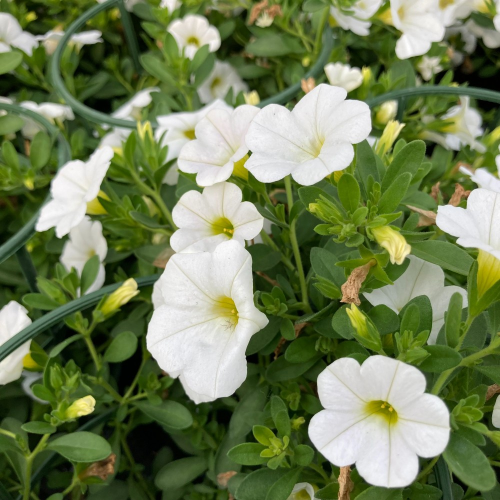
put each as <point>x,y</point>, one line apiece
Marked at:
<point>252,250</point>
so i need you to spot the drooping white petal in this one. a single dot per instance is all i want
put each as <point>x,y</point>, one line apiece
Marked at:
<point>495,419</point>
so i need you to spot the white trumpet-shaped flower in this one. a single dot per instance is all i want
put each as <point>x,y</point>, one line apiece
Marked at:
<point>483,178</point>
<point>302,491</point>
<point>177,129</point>
<point>378,416</point>
<point>342,75</point>
<point>419,24</point>
<point>207,219</point>
<point>13,318</point>
<point>85,241</point>
<point>222,78</point>
<point>204,319</point>
<point>310,142</point>
<point>219,147</point>
<point>477,226</point>
<point>357,20</point>
<point>52,38</point>
<point>450,11</point>
<point>193,32</point>
<point>132,109</point>
<point>76,184</point>
<point>12,35</point>
<point>52,111</point>
<point>420,278</point>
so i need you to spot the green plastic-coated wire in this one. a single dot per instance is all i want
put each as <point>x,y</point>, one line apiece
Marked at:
<point>17,241</point>
<point>57,315</point>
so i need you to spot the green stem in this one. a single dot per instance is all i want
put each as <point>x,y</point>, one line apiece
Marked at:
<point>7,433</point>
<point>295,246</point>
<point>321,28</point>
<point>427,469</point>
<point>29,465</point>
<point>269,241</point>
<point>320,471</point>
<point>93,352</point>
<point>136,378</point>
<point>110,390</point>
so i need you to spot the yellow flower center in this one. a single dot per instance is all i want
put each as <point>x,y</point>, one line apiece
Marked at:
<point>192,40</point>
<point>445,3</point>
<point>215,83</point>
<point>222,225</point>
<point>190,134</point>
<point>225,308</point>
<point>488,272</point>
<point>94,207</point>
<point>384,410</point>
<point>301,495</point>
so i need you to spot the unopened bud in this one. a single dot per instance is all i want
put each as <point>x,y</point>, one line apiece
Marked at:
<point>120,297</point>
<point>81,407</point>
<point>392,241</point>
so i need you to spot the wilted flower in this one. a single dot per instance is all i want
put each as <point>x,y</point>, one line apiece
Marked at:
<point>204,319</point>
<point>75,185</point>
<point>81,407</point>
<point>378,416</point>
<point>13,318</point>
<point>393,241</point>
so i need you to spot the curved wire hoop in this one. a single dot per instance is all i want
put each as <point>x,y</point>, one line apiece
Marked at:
<point>103,118</point>
<point>17,241</point>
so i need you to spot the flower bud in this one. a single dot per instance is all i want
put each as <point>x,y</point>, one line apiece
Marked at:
<point>389,136</point>
<point>386,112</point>
<point>144,129</point>
<point>392,241</point>
<point>81,407</point>
<point>252,98</point>
<point>94,207</point>
<point>120,297</point>
<point>366,333</point>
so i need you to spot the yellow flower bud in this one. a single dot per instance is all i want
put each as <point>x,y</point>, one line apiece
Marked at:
<point>252,97</point>
<point>393,241</point>
<point>389,136</point>
<point>94,207</point>
<point>386,112</point>
<point>81,407</point>
<point>358,320</point>
<point>144,129</point>
<point>30,17</point>
<point>493,136</point>
<point>239,169</point>
<point>30,364</point>
<point>120,297</point>
<point>367,74</point>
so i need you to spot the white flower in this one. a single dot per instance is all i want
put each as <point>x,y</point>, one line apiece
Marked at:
<point>465,126</point>
<point>51,39</point>
<point>310,142</point>
<point>132,109</point>
<point>419,25</point>
<point>378,416</point>
<point>177,129</point>
<point>342,75</point>
<point>449,11</point>
<point>53,112</point>
<point>207,219</point>
<point>75,184</point>
<point>170,5</point>
<point>85,241</point>
<point>491,38</point>
<point>469,41</point>
<point>358,20</point>
<point>205,319</point>
<point>115,138</point>
<point>193,32</point>
<point>477,226</point>
<point>12,35</point>
<point>420,278</point>
<point>218,83</point>
<point>387,112</point>
<point>483,178</point>
<point>495,418</point>
<point>13,318</point>
<point>219,146</point>
<point>429,66</point>
<point>302,491</point>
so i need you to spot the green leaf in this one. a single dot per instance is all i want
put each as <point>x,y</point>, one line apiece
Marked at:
<point>301,350</point>
<point>81,447</point>
<point>446,255</point>
<point>39,301</point>
<point>256,485</point>
<point>491,371</point>
<point>247,454</point>
<point>158,68</point>
<point>263,257</point>
<point>441,358</point>
<point>407,160</point>
<point>178,473</point>
<point>10,61</point>
<point>62,345</point>
<point>377,493</point>
<point>384,318</point>
<point>263,434</point>
<point>121,348</point>
<point>10,124</point>
<point>303,454</point>
<point>453,320</point>
<point>146,220</point>
<point>39,428</point>
<point>40,150</point>
<point>168,413</point>
<point>349,193</point>
<point>199,58</point>
<point>287,329</point>
<point>283,487</point>
<point>274,45</point>
<point>324,263</point>
<point>392,197</point>
<point>279,414</point>
<point>89,273</point>
<point>366,163</point>
<point>281,370</point>
<point>424,318</point>
<point>469,463</point>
